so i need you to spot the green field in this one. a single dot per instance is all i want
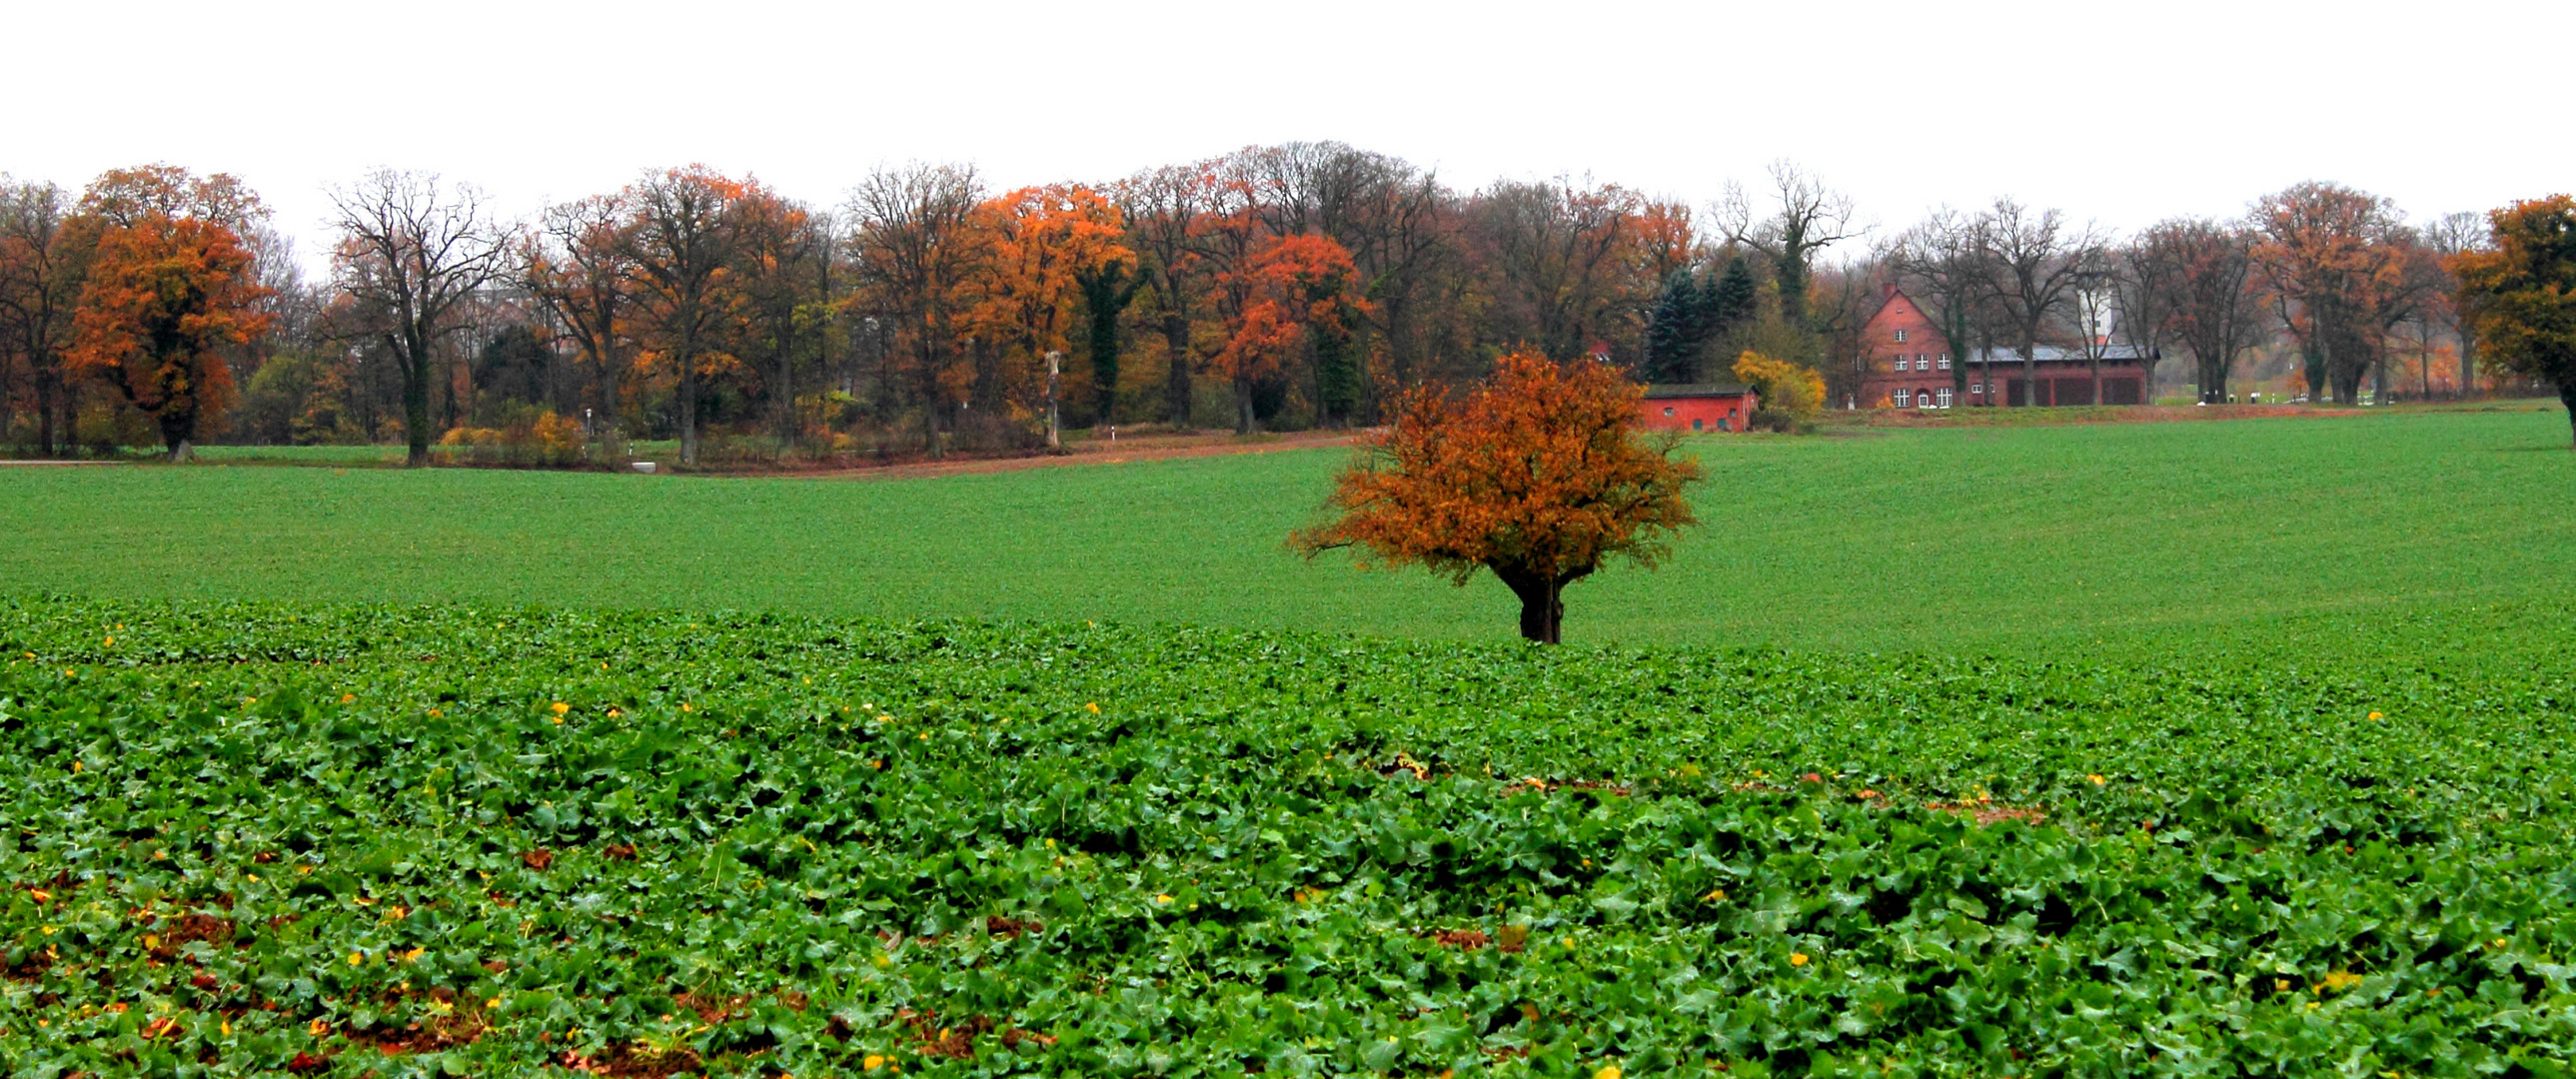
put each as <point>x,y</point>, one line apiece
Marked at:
<point>2188,749</point>
<point>476,841</point>
<point>2146,538</point>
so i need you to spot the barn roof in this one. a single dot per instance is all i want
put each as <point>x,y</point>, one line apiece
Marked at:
<point>1671,390</point>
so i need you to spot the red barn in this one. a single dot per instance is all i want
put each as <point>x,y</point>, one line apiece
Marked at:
<point>1707,406</point>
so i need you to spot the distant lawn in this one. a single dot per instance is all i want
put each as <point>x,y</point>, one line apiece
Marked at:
<point>2413,532</point>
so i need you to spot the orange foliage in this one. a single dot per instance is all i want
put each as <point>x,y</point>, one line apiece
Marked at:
<point>2521,294</point>
<point>163,297</point>
<point>1042,239</point>
<point>1538,475</point>
<point>1289,285</point>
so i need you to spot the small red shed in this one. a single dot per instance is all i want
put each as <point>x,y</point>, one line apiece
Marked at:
<point>1699,406</point>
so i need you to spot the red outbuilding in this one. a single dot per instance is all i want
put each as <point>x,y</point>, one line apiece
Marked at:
<point>1707,406</point>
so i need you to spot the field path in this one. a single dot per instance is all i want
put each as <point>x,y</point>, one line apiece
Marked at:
<point>1140,448</point>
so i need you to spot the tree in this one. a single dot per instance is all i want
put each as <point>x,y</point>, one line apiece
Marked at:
<point>1539,476</point>
<point>681,243</point>
<point>2202,274</point>
<point>411,254</point>
<point>1160,207</point>
<point>2451,236</point>
<point>2520,292</point>
<point>1296,290</point>
<point>918,248</point>
<point>1942,263</point>
<point>1560,259</point>
<point>1678,328</point>
<point>44,257</point>
<point>1791,393</point>
<point>165,296</point>
<point>2336,262</point>
<point>1805,218</point>
<point>576,265</point>
<point>2037,263</point>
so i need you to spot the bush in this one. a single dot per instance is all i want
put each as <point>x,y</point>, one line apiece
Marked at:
<point>533,436</point>
<point>1792,393</point>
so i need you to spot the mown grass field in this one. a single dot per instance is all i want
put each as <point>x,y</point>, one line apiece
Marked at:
<point>398,841</point>
<point>2146,539</point>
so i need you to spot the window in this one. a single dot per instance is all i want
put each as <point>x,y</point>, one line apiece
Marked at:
<point>1945,396</point>
<point>1900,361</point>
<point>1694,425</point>
<point>1900,337</point>
<point>1668,411</point>
<point>1945,361</point>
<point>1904,398</point>
<point>1923,398</point>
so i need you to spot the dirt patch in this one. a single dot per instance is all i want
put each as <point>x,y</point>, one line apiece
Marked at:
<point>1128,451</point>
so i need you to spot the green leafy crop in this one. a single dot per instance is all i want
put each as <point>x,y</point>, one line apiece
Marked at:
<point>261,839</point>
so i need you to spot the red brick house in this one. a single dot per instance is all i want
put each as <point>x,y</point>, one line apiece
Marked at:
<point>1908,363</point>
<point>1707,406</point>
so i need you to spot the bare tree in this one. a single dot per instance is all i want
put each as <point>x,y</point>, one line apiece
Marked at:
<point>1558,250</point>
<point>1942,261</point>
<point>1159,206</point>
<point>576,264</point>
<point>2211,298</point>
<point>2141,293</point>
<point>916,251</point>
<point>2093,306</point>
<point>1793,220</point>
<point>2038,262</point>
<point>2453,235</point>
<point>411,254</point>
<point>680,242</point>
<point>42,266</point>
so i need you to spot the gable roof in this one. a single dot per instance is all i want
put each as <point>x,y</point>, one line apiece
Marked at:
<point>2054,354</point>
<point>1670,390</point>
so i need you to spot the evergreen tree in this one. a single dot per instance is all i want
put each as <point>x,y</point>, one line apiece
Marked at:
<point>1676,329</point>
<point>1732,297</point>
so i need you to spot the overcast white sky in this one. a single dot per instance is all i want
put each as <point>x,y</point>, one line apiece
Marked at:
<point>2120,112</point>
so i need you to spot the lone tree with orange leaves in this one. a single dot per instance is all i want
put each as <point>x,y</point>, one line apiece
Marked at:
<point>2521,292</point>
<point>1538,475</point>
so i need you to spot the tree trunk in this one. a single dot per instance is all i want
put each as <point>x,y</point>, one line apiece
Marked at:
<point>2030,373</point>
<point>44,414</point>
<point>416,413</point>
<point>1542,605</point>
<point>1244,424</point>
<point>1176,389</point>
<point>2567,397</point>
<point>688,400</point>
<point>2468,365</point>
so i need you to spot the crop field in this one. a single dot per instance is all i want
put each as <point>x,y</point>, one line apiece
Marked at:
<point>2132,539</point>
<point>393,840</point>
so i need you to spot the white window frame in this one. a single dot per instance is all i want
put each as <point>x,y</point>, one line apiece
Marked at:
<point>1904,397</point>
<point>1900,337</point>
<point>1945,361</point>
<point>1900,361</point>
<point>1945,397</point>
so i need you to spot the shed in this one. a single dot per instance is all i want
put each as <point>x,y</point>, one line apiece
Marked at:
<point>1697,406</point>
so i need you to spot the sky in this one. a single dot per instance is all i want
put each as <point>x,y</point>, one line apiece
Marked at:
<point>2119,113</point>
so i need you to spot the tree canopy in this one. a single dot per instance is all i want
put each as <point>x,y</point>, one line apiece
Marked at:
<point>2521,293</point>
<point>1538,475</point>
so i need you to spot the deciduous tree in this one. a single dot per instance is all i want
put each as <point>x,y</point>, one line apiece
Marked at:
<point>2211,297</point>
<point>165,295</point>
<point>681,242</point>
<point>1789,223</point>
<point>1539,475</point>
<point>411,255</point>
<point>44,258</point>
<point>2520,292</point>
<point>2335,259</point>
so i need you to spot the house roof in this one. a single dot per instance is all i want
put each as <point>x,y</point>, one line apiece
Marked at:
<point>2054,354</point>
<point>1670,390</point>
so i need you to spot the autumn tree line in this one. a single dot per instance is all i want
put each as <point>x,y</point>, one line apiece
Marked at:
<point>1295,286</point>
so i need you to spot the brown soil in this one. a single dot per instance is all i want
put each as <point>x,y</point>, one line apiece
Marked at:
<point>1124,451</point>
